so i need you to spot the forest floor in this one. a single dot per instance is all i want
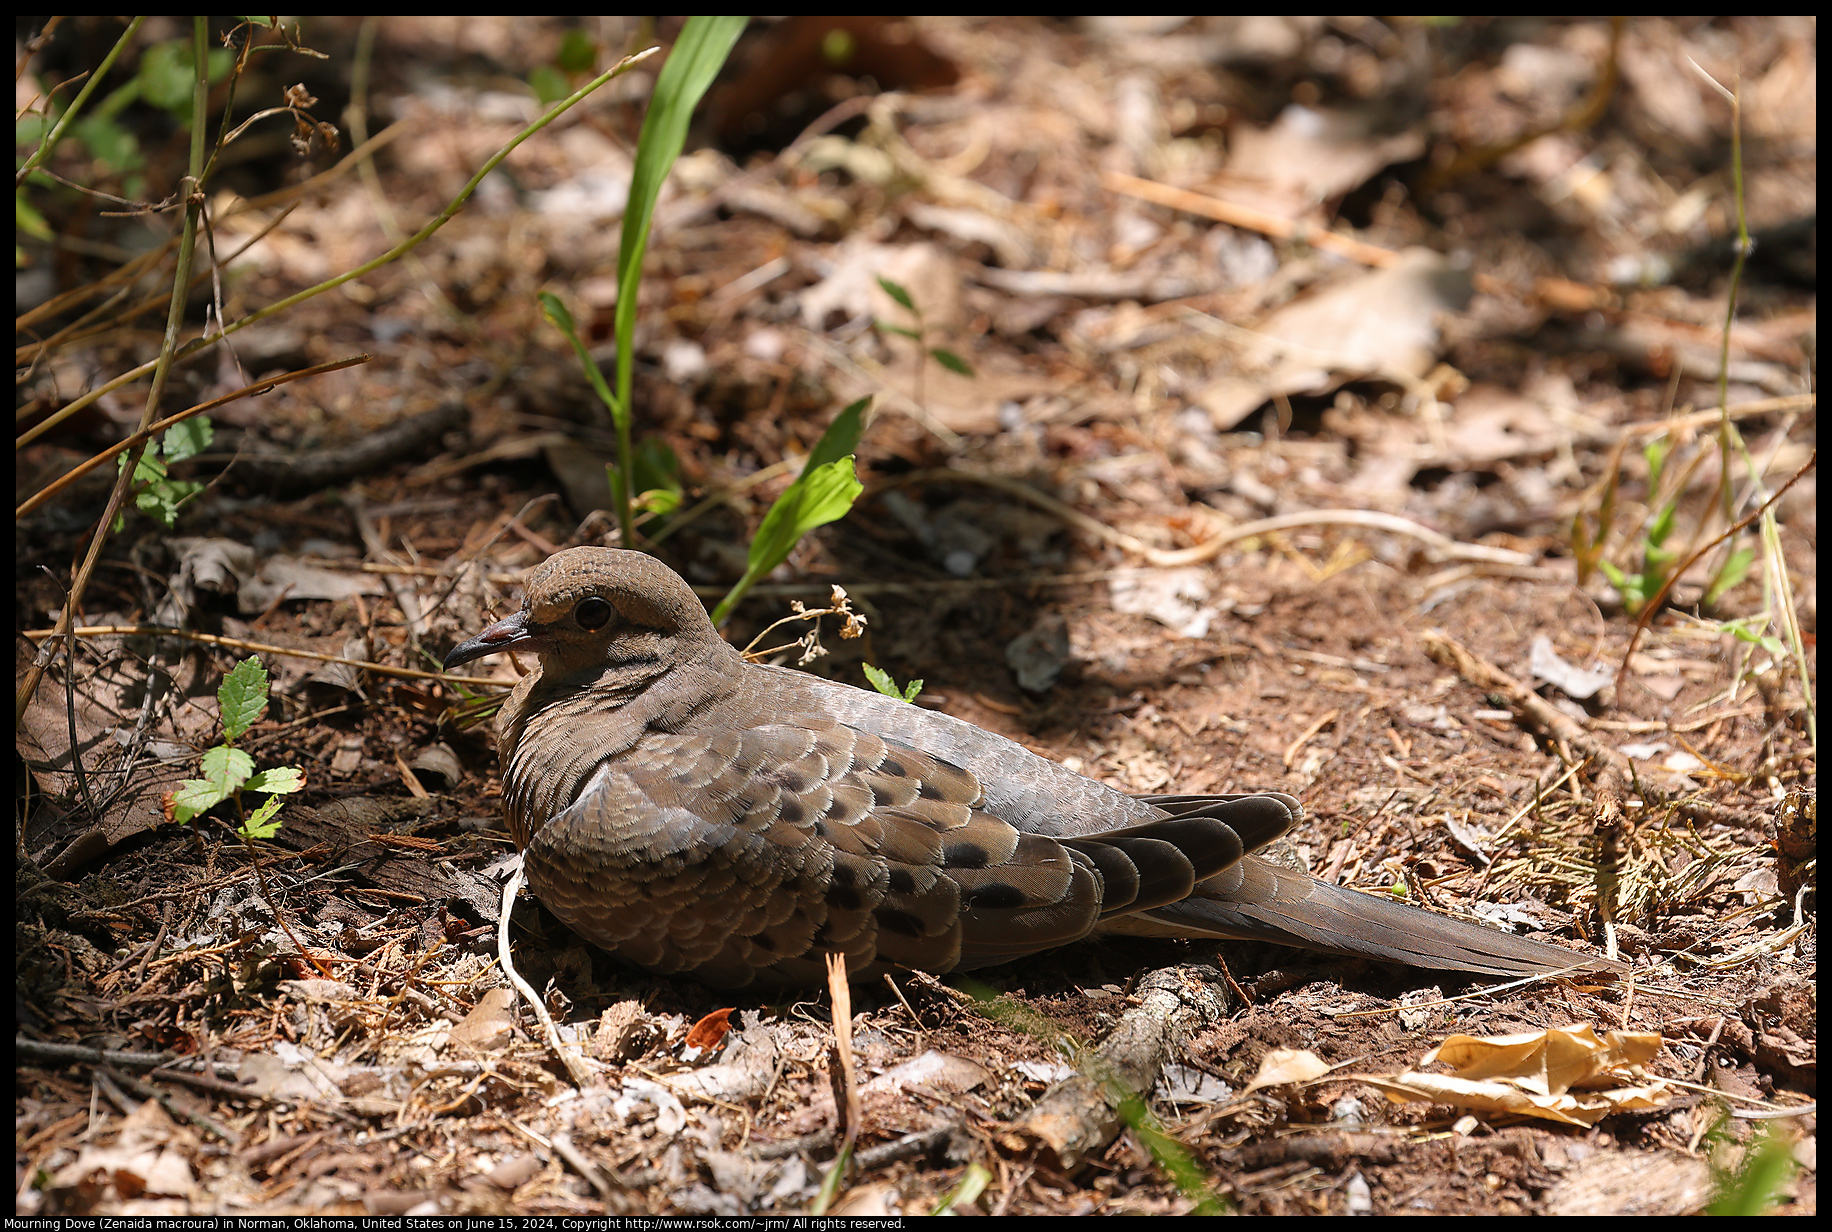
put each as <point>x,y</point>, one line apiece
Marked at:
<point>1310,500</point>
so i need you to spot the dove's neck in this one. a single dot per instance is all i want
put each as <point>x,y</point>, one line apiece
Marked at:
<point>554,733</point>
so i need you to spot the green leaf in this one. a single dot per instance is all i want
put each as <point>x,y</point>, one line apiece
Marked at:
<point>226,769</point>
<point>192,797</point>
<point>1749,631</point>
<point>900,331</point>
<point>897,292</point>
<point>840,438</point>
<point>820,496</point>
<point>1758,1187</point>
<point>1662,525</point>
<point>578,52</point>
<point>166,77</point>
<point>261,823</point>
<point>1655,455</point>
<point>549,84</point>
<point>693,62</point>
<point>187,439</point>
<point>659,501</point>
<point>1168,1153</point>
<point>823,494</point>
<point>243,697</point>
<point>27,219</point>
<point>951,361</point>
<point>1736,568</point>
<point>162,499</point>
<point>562,320</point>
<point>277,780</point>
<point>556,312</point>
<point>972,1184</point>
<point>32,128</point>
<point>882,681</point>
<point>656,466</point>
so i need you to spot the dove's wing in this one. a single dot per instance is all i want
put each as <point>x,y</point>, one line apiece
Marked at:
<point>756,851</point>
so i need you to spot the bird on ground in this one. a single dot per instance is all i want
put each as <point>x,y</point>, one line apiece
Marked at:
<point>698,814</point>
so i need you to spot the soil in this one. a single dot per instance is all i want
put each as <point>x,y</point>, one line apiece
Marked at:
<point>1421,646</point>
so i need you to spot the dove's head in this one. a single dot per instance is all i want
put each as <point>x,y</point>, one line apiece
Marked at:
<point>588,609</point>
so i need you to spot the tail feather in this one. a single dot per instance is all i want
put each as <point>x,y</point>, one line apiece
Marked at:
<point>1260,901</point>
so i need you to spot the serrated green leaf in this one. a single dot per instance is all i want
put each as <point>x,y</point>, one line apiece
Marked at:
<point>277,780</point>
<point>262,823</point>
<point>188,438</point>
<point>149,469</point>
<point>883,682</point>
<point>163,499</point>
<point>243,697</point>
<point>897,292</point>
<point>194,796</point>
<point>951,361</point>
<point>226,769</point>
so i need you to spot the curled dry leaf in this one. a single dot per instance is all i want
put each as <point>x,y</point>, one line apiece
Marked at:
<point>708,1034</point>
<point>1568,1074</point>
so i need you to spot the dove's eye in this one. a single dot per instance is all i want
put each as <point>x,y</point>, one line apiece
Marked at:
<point>592,614</point>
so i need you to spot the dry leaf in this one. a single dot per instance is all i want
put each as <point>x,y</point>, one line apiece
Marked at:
<point>1287,1065</point>
<point>1567,1074</point>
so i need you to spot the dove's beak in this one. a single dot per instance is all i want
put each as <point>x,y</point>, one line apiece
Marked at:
<point>504,634</point>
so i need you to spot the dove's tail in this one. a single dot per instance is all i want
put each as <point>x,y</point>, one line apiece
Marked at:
<point>1261,901</point>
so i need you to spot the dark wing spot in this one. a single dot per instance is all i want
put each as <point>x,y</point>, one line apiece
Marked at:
<point>844,897</point>
<point>927,789</point>
<point>901,881</point>
<point>994,895</point>
<point>964,855</point>
<point>790,810</point>
<point>845,875</point>
<point>899,922</point>
<point>891,765</point>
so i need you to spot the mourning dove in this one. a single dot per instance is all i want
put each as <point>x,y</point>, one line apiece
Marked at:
<point>699,814</point>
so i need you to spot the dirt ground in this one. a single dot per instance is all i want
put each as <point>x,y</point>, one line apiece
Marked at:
<point>1359,564</point>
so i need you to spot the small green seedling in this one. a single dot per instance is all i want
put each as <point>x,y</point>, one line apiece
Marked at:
<point>156,493</point>
<point>919,335</point>
<point>698,55</point>
<point>881,681</point>
<point>228,771</point>
<point>824,493</point>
